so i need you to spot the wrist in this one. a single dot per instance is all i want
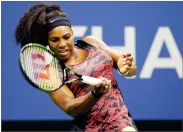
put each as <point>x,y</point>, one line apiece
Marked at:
<point>125,74</point>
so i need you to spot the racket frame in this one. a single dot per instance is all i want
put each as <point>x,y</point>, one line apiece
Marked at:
<point>24,73</point>
<point>63,67</point>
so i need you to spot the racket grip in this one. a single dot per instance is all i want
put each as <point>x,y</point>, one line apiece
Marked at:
<point>90,80</point>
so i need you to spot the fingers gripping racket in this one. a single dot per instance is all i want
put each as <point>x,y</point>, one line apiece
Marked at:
<point>43,69</point>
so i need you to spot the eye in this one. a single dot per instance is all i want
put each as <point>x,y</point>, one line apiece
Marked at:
<point>66,36</point>
<point>54,39</point>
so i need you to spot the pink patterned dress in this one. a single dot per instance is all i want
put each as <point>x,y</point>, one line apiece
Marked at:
<point>110,112</point>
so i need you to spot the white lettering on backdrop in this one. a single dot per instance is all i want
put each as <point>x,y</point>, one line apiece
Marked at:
<point>153,61</point>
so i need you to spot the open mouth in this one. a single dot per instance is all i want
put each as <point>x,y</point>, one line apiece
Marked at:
<point>63,52</point>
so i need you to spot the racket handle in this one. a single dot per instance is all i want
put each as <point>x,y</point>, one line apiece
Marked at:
<point>90,80</point>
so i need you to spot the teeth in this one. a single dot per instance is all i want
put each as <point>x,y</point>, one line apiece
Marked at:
<point>62,51</point>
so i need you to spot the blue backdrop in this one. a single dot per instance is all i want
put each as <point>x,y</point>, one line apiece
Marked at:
<point>151,30</point>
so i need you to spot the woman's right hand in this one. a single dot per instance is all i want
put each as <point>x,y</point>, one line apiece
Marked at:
<point>103,86</point>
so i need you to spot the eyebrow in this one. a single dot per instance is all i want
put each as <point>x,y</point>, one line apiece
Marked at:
<point>67,34</point>
<point>58,36</point>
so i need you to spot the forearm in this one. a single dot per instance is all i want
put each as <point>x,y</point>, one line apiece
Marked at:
<point>114,54</point>
<point>81,105</point>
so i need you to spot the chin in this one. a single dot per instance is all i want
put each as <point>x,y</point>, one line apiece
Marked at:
<point>64,58</point>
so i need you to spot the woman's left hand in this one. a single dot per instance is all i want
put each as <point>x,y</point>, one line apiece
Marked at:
<point>124,63</point>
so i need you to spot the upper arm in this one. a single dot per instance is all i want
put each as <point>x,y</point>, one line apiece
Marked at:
<point>62,97</point>
<point>95,42</point>
<point>103,46</point>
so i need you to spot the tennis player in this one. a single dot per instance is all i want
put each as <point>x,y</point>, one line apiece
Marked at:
<point>93,108</point>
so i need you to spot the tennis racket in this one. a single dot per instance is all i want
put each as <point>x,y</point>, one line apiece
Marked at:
<point>43,69</point>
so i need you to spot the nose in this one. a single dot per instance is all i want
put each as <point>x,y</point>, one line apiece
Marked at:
<point>62,44</point>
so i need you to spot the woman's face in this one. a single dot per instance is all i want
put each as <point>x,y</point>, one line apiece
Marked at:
<point>61,41</point>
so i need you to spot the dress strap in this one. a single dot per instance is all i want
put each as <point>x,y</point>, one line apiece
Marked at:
<point>83,44</point>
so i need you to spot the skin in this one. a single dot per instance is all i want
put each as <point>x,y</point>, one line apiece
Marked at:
<point>124,61</point>
<point>61,41</point>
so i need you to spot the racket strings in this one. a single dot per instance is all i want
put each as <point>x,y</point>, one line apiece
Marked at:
<point>41,68</point>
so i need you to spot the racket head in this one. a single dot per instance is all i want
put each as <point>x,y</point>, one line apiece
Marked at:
<point>41,67</point>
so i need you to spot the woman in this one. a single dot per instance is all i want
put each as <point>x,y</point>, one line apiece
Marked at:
<point>94,108</point>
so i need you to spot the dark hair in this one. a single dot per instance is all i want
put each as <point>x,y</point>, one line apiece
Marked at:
<point>30,28</point>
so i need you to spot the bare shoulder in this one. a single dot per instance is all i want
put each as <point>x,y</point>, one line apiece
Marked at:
<point>94,41</point>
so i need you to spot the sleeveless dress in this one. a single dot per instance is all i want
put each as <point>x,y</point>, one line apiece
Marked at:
<point>110,112</point>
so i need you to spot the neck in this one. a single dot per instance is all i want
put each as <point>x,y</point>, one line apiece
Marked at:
<point>73,59</point>
<point>75,54</point>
